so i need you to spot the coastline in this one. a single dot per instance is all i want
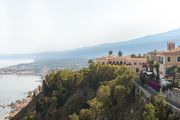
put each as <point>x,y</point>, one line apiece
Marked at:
<point>6,63</point>
<point>5,117</point>
<point>16,107</point>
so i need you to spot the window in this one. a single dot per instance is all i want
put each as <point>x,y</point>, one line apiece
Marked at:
<point>160,60</point>
<point>169,59</point>
<point>178,59</point>
<point>168,71</point>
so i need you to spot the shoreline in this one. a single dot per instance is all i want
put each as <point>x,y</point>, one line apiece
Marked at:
<point>18,105</point>
<point>5,117</point>
<point>25,74</point>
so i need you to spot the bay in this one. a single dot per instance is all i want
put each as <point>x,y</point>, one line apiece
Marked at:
<point>14,87</point>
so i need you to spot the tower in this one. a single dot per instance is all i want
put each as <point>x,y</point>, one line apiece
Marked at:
<point>170,46</point>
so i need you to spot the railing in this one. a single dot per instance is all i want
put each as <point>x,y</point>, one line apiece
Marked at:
<point>149,94</point>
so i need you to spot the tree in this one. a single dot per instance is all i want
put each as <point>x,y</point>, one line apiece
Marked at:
<point>161,107</point>
<point>133,55</point>
<point>90,61</point>
<point>156,65</point>
<point>120,53</point>
<point>126,77</point>
<point>96,106</point>
<point>104,95</point>
<point>74,116</point>
<point>110,52</point>
<point>173,71</point>
<point>120,94</point>
<point>151,65</point>
<point>45,88</point>
<point>87,114</point>
<point>149,112</point>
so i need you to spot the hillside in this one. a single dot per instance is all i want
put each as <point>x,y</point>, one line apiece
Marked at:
<point>100,92</point>
<point>139,45</point>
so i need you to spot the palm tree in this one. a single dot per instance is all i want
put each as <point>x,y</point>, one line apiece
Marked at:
<point>90,61</point>
<point>110,52</point>
<point>173,70</point>
<point>151,65</point>
<point>156,65</point>
<point>120,53</point>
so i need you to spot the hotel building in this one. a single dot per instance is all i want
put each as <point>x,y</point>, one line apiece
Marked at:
<point>167,59</point>
<point>137,63</point>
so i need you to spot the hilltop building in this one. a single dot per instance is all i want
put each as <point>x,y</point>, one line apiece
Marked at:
<point>137,63</point>
<point>167,58</point>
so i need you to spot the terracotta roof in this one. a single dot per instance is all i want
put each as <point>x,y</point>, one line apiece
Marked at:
<point>176,51</point>
<point>169,53</point>
<point>126,58</point>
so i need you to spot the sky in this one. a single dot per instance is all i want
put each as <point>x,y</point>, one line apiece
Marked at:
<point>31,26</point>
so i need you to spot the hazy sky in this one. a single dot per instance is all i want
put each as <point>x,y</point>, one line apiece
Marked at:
<point>28,26</point>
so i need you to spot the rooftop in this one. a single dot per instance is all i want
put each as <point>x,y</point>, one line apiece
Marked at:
<point>171,50</point>
<point>126,58</point>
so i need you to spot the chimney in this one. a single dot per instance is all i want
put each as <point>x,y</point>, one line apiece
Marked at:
<point>170,46</point>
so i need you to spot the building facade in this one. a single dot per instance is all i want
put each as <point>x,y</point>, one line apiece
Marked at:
<point>167,59</point>
<point>137,63</point>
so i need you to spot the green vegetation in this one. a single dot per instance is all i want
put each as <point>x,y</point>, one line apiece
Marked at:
<point>137,56</point>
<point>120,53</point>
<point>157,109</point>
<point>95,93</point>
<point>110,52</point>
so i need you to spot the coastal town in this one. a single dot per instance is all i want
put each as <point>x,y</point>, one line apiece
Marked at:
<point>158,70</point>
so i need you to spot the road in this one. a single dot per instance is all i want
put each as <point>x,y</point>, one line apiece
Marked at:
<point>153,92</point>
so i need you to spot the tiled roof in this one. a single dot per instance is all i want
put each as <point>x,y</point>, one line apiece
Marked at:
<point>126,58</point>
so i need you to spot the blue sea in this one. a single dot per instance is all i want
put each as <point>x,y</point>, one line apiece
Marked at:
<point>14,87</point>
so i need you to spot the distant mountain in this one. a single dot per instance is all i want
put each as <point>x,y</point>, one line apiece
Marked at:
<point>139,45</point>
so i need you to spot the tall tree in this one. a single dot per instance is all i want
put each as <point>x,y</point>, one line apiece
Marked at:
<point>156,65</point>
<point>173,72</point>
<point>120,53</point>
<point>110,52</point>
<point>74,116</point>
<point>151,65</point>
<point>149,112</point>
<point>90,61</point>
<point>160,104</point>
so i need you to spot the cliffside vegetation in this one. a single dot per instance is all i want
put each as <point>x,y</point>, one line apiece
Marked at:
<point>99,92</point>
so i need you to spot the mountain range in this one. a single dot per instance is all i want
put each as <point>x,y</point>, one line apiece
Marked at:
<point>135,46</point>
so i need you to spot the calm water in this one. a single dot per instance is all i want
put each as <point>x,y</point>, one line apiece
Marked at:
<point>8,62</point>
<point>14,87</point>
